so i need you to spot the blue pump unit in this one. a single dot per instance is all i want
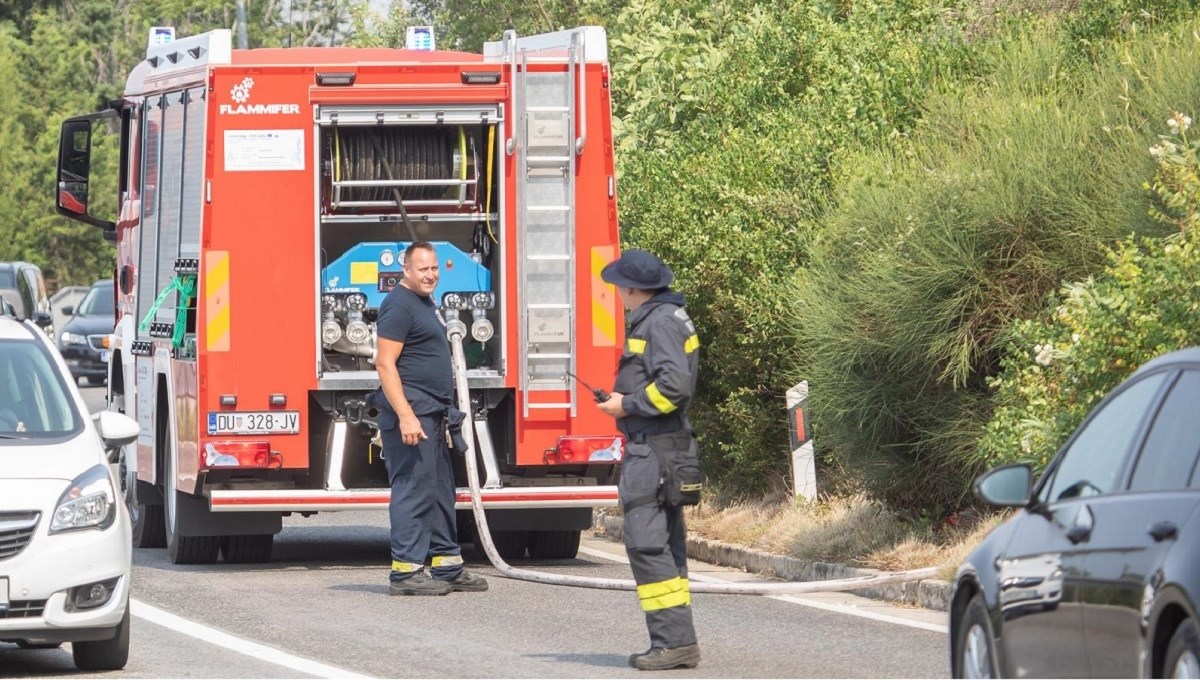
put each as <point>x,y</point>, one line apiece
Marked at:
<point>375,268</point>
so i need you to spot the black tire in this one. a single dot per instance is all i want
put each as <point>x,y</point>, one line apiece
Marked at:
<point>104,655</point>
<point>95,379</point>
<point>183,549</point>
<point>149,530</point>
<point>974,644</point>
<point>25,644</point>
<point>554,545</point>
<point>1183,652</point>
<point>247,549</point>
<point>511,544</point>
<point>149,527</point>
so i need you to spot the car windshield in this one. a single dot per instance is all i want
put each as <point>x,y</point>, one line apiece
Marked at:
<point>35,402</point>
<point>7,280</point>
<point>99,300</point>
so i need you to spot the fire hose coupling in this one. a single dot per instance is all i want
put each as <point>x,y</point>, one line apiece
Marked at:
<point>456,330</point>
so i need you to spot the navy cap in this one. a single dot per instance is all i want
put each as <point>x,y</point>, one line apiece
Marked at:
<point>638,269</point>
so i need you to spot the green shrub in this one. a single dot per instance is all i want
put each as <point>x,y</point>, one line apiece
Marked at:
<point>933,247</point>
<point>1144,304</point>
<point>727,179</point>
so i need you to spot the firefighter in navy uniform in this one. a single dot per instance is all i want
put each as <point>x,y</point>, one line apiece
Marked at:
<point>655,382</point>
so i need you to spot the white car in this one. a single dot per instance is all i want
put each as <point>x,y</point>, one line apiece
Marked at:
<point>65,538</point>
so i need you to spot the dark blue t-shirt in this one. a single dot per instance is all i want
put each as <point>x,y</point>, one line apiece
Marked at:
<point>424,362</point>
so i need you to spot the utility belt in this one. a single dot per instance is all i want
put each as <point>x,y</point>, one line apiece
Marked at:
<point>673,459</point>
<point>638,428</point>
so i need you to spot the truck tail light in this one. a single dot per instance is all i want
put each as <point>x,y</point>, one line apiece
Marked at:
<point>575,450</point>
<point>227,454</point>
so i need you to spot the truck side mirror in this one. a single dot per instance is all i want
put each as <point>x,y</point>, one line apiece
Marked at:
<point>74,169</point>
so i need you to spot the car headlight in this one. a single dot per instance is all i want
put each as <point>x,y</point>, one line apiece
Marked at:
<point>89,503</point>
<point>69,338</point>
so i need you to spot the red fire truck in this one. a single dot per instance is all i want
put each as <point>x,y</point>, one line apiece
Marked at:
<point>266,197</point>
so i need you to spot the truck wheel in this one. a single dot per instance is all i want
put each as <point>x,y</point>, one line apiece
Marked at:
<point>510,544</point>
<point>104,655</point>
<point>554,545</point>
<point>247,549</point>
<point>149,530</point>
<point>183,549</point>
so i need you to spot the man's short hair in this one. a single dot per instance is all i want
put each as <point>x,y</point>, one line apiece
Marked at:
<point>419,245</point>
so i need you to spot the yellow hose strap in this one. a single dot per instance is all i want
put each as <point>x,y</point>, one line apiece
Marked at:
<point>636,346</point>
<point>406,567</point>
<point>660,402</point>
<point>462,153</point>
<point>337,155</point>
<point>665,594</point>
<point>487,209</point>
<point>691,344</point>
<point>447,560</point>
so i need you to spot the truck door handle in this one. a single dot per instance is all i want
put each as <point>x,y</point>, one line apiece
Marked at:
<point>1079,533</point>
<point>1164,530</point>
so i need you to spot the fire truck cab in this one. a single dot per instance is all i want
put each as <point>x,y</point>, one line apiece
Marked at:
<point>265,200</point>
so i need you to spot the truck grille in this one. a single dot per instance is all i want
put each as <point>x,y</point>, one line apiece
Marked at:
<point>16,530</point>
<point>96,341</point>
<point>24,609</point>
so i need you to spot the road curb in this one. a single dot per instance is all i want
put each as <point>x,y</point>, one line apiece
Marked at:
<point>928,593</point>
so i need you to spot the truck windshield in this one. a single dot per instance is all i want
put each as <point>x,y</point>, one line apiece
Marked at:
<point>99,300</point>
<point>35,402</point>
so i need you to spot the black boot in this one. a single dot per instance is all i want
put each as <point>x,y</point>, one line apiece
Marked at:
<point>419,583</point>
<point>661,659</point>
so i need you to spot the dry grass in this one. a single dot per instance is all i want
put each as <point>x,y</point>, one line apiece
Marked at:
<point>848,529</point>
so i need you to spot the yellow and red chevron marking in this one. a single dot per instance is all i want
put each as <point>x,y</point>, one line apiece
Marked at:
<point>604,300</point>
<point>216,300</point>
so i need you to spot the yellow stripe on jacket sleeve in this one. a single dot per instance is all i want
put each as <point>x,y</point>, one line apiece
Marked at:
<point>660,402</point>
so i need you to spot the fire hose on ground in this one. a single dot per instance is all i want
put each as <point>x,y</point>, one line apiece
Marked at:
<point>456,330</point>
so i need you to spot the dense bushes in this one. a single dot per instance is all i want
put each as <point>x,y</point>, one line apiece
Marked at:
<point>1143,304</point>
<point>1007,188</point>
<point>733,165</point>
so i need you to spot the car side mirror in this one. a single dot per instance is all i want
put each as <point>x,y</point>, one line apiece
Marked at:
<point>117,430</point>
<point>68,310</point>
<point>42,319</point>
<point>1009,486</point>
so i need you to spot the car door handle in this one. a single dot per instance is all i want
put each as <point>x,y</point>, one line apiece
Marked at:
<point>1161,531</point>
<point>1079,533</point>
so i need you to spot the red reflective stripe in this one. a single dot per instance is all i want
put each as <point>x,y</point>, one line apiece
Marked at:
<point>385,497</point>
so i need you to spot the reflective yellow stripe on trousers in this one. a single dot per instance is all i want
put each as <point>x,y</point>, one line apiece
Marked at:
<point>665,594</point>
<point>406,567</point>
<point>446,560</point>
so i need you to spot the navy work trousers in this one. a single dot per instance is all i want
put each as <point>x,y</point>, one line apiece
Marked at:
<point>422,503</point>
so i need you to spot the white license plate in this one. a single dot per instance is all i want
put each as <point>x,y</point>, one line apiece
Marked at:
<point>3,594</point>
<point>254,422</point>
<point>104,355</point>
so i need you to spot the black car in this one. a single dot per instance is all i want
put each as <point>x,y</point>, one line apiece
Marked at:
<point>1097,573</point>
<point>81,339</point>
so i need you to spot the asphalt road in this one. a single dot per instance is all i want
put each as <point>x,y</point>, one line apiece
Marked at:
<point>321,609</point>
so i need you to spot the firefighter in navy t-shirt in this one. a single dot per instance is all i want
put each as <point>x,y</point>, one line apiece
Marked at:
<point>417,381</point>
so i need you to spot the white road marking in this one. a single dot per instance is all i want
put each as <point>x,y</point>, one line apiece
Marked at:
<point>815,604</point>
<point>232,642</point>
